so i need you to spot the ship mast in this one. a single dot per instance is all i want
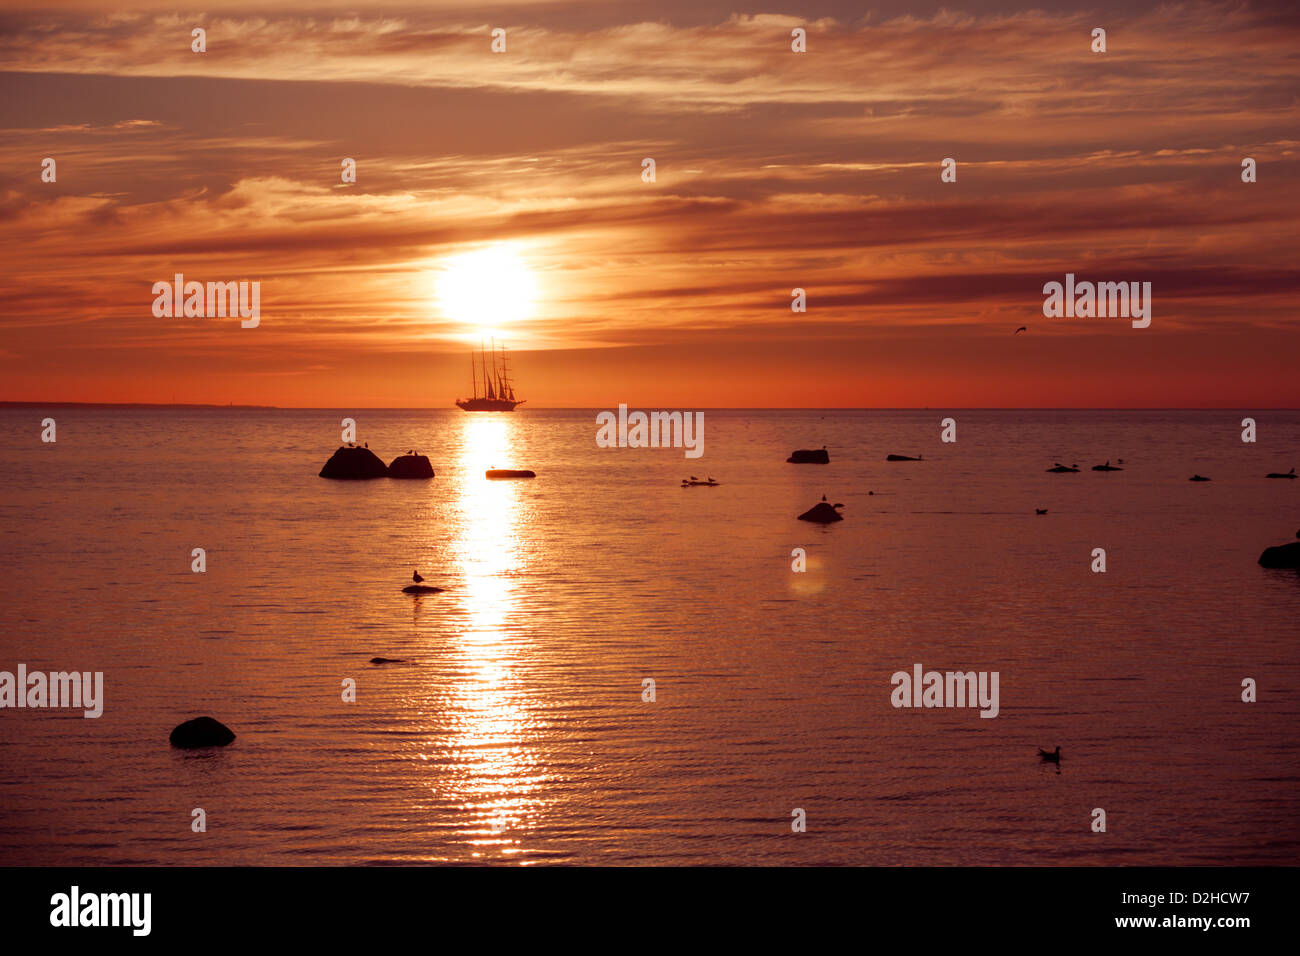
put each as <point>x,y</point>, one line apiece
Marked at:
<point>508,392</point>
<point>496,375</point>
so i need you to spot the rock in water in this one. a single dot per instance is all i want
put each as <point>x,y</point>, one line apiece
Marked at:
<point>410,466</point>
<point>822,513</point>
<point>421,589</point>
<point>201,732</point>
<point>809,456</point>
<point>901,458</point>
<point>354,464</point>
<point>1282,556</point>
<point>498,474</point>
<point>387,660</point>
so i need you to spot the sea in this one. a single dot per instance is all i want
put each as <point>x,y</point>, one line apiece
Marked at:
<point>624,671</point>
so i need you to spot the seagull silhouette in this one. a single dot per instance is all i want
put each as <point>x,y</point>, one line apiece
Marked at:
<point>1050,756</point>
<point>415,576</point>
<point>1023,328</point>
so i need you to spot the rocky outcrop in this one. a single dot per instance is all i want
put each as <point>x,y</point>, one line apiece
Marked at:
<point>822,513</point>
<point>1282,556</point>
<point>410,466</point>
<point>354,464</point>
<point>809,456</point>
<point>201,732</point>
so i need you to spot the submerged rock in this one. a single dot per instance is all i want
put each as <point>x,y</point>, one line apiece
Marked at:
<point>201,732</point>
<point>387,660</point>
<point>354,464</point>
<point>1280,474</point>
<point>421,589</point>
<point>410,466</point>
<point>902,458</point>
<point>809,456</point>
<point>499,473</point>
<point>1198,478</point>
<point>822,513</point>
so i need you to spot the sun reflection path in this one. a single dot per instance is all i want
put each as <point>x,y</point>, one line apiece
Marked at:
<point>494,770</point>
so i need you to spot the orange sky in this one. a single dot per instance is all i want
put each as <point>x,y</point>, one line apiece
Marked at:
<point>775,170</point>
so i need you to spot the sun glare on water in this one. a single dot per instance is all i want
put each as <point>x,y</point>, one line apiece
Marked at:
<point>487,289</point>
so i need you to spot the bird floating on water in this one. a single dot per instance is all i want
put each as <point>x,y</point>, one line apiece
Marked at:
<point>1040,511</point>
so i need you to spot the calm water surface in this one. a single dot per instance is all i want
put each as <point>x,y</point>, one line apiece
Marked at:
<point>522,703</point>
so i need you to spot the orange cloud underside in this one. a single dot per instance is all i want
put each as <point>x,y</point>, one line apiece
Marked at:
<point>774,171</point>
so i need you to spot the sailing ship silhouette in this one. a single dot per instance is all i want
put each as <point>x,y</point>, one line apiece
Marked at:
<point>498,394</point>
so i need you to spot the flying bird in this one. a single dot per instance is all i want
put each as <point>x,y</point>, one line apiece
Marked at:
<point>1023,328</point>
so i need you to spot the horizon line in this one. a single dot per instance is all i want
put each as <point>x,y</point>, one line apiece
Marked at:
<point>718,408</point>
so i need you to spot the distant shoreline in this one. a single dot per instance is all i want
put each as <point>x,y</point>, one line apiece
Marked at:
<point>124,405</point>
<point>583,408</point>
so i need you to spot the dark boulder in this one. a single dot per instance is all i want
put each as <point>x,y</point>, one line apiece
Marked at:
<point>1282,556</point>
<point>822,513</point>
<point>410,466</point>
<point>421,589</point>
<point>354,464</point>
<point>201,732</point>
<point>809,456</point>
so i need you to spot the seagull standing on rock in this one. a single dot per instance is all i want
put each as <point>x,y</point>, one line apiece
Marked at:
<point>415,576</point>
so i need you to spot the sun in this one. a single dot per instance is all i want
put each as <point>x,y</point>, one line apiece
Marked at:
<point>487,289</point>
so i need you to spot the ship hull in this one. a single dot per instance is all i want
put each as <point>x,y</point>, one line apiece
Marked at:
<point>487,404</point>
